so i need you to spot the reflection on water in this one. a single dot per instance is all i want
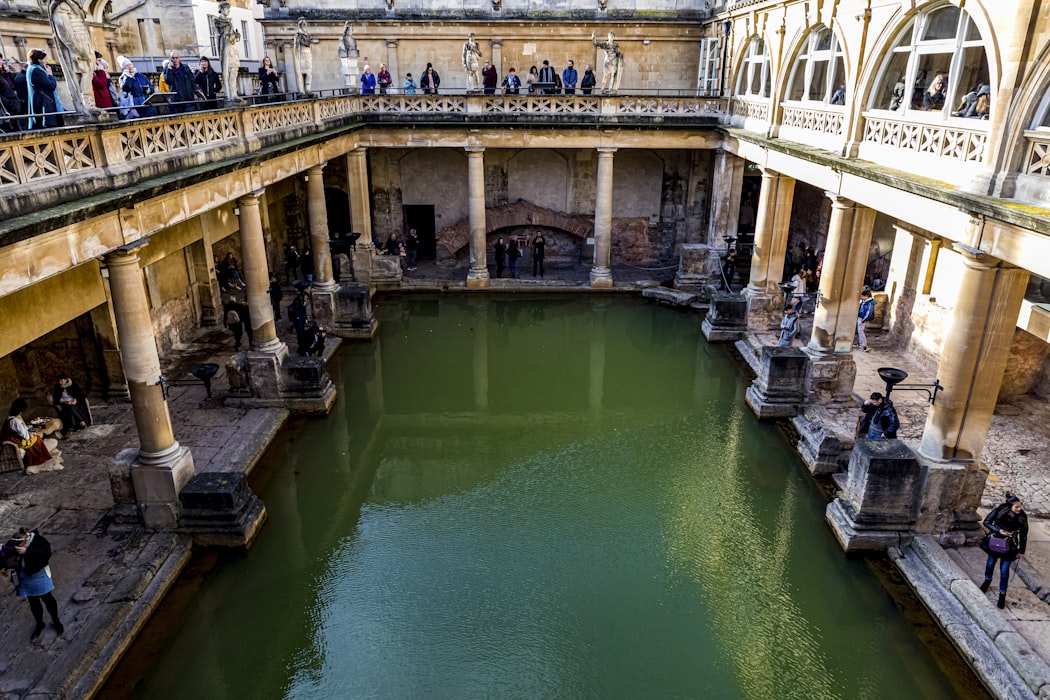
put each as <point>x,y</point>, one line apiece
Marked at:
<point>540,498</point>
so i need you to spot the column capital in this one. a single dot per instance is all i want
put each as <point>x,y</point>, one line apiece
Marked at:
<point>977,258</point>
<point>126,254</point>
<point>495,42</point>
<point>391,43</point>
<point>606,150</point>
<point>474,150</point>
<point>837,200</point>
<point>251,199</point>
<point>316,170</point>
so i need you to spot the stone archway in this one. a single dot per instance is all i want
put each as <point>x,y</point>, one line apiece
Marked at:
<point>566,233</point>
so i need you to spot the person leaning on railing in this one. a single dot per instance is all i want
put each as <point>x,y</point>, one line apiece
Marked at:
<point>43,100</point>
<point>179,78</point>
<point>268,80</point>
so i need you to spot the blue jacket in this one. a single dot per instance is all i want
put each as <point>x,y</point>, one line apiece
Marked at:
<point>569,78</point>
<point>866,310</point>
<point>368,83</point>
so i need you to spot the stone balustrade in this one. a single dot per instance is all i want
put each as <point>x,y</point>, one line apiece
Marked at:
<point>1037,155</point>
<point>148,147</point>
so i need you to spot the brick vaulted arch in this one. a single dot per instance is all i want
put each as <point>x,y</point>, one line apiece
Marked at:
<point>454,238</point>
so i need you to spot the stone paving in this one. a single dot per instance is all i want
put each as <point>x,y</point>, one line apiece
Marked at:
<point>110,575</point>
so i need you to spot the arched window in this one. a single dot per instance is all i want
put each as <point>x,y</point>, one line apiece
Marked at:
<point>753,79</point>
<point>819,73</point>
<point>938,64</point>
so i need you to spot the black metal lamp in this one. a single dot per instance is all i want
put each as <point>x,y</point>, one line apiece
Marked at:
<point>893,378</point>
<point>788,289</point>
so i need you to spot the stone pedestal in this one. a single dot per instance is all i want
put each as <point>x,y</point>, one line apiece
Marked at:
<point>823,449</point>
<point>876,507</point>
<point>764,309</point>
<point>361,261</point>
<point>220,510</point>
<point>323,303</point>
<point>698,267</point>
<point>300,384</point>
<point>157,479</point>
<point>951,494</point>
<point>386,272</point>
<point>726,320</point>
<point>831,376</point>
<point>353,312</point>
<point>779,388</point>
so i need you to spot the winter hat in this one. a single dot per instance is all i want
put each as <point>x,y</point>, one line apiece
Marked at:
<point>102,64</point>
<point>985,90</point>
<point>123,62</point>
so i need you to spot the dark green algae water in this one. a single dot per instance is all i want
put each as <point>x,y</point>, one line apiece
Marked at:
<point>536,498</point>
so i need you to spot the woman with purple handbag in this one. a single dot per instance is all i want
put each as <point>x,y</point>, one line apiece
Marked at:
<point>1006,540</point>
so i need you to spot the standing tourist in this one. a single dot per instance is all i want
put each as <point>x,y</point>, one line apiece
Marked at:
<point>135,89</point>
<point>412,248</point>
<point>1006,540</point>
<point>430,80</point>
<point>511,83</point>
<point>33,574</point>
<point>513,253</point>
<point>306,261</point>
<point>788,327</point>
<point>268,80</point>
<point>589,81</point>
<point>179,78</point>
<point>879,419</point>
<point>384,79</point>
<point>43,102</point>
<point>10,103</point>
<point>234,319</point>
<point>569,77</point>
<point>297,314</point>
<point>368,82</point>
<point>865,311</point>
<point>276,294</point>
<point>101,84</point>
<point>489,78</point>
<point>539,246</point>
<point>291,262</point>
<point>499,251</point>
<point>409,85</point>
<point>549,76</point>
<point>209,84</point>
<point>532,78</point>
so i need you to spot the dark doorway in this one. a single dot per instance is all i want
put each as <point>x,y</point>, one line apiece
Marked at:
<point>421,218</point>
<point>337,204</point>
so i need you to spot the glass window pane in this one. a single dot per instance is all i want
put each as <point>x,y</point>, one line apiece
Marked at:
<point>971,30</point>
<point>755,86</point>
<point>796,86</point>
<point>818,85</point>
<point>838,82</point>
<point>824,41</point>
<point>891,93</point>
<point>973,76</point>
<point>765,79</point>
<point>942,24</point>
<point>931,83</point>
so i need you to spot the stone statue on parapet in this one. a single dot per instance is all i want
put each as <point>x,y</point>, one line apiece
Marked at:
<point>73,49</point>
<point>348,53</point>
<point>472,63</point>
<point>303,56</point>
<point>613,63</point>
<point>229,54</point>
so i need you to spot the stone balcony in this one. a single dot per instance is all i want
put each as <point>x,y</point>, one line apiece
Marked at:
<point>40,169</point>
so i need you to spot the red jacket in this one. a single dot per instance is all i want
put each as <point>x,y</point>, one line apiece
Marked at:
<point>100,86</point>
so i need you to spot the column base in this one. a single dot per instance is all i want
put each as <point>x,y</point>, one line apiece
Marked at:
<point>220,510</point>
<point>601,278</point>
<point>323,303</point>
<point>726,320</point>
<point>477,278</point>
<point>764,310</point>
<point>822,450</point>
<point>779,389</point>
<point>831,376</point>
<point>300,384</point>
<point>875,507</point>
<point>157,483</point>
<point>951,494</point>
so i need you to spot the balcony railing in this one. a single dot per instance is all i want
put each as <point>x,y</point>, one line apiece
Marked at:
<point>29,157</point>
<point>1037,155</point>
<point>943,139</point>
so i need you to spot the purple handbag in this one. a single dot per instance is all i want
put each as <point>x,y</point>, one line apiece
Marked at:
<point>999,545</point>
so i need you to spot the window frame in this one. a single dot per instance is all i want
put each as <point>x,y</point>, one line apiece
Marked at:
<point>748,62</point>
<point>809,53</point>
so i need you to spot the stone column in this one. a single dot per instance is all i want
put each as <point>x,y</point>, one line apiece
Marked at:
<point>162,466</point>
<point>727,184</point>
<point>976,349</point>
<point>765,300</point>
<point>478,275</point>
<point>911,273</point>
<point>317,213</point>
<point>835,318</point>
<point>496,49</point>
<point>360,213</point>
<point>601,275</point>
<point>257,275</point>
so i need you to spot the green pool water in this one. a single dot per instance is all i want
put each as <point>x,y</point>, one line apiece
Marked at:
<point>537,498</point>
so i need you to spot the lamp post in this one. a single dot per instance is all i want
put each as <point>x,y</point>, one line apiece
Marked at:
<point>893,378</point>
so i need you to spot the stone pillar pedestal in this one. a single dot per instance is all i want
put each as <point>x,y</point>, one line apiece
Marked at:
<point>478,275</point>
<point>354,317</point>
<point>261,379</point>
<point>386,272</point>
<point>698,266</point>
<point>219,509</point>
<point>831,377</point>
<point>726,319</point>
<point>322,304</point>
<point>779,389</point>
<point>601,274</point>
<point>257,275</point>
<point>877,503</point>
<point>162,466</point>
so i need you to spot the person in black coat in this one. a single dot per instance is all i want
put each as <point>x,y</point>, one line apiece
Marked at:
<point>268,80</point>
<point>179,78</point>
<point>513,253</point>
<point>1008,522</point>
<point>209,84</point>
<point>499,251</point>
<point>71,402</point>
<point>276,294</point>
<point>28,554</point>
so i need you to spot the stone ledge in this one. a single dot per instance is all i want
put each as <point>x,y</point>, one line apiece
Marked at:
<point>1024,659</point>
<point>938,561</point>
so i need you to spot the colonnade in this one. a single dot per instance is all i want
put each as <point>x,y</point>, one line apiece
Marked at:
<point>975,348</point>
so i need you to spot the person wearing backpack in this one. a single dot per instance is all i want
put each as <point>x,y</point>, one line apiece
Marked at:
<point>234,317</point>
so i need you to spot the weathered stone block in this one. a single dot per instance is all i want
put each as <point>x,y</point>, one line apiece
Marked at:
<point>698,266</point>
<point>213,491</point>
<point>882,485</point>
<point>726,319</point>
<point>779,388</point>
<point>831,377</point>
<point>220,509</point>
<point>354,316</point>
<point>938,561</point>
<point>1024,659</point>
